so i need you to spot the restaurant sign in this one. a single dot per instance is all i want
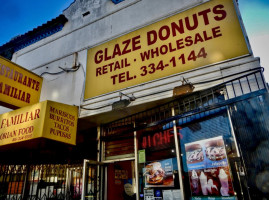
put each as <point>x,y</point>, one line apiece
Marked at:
<point>207,34</point>
<point>18,86</point>
<point>47,119</point>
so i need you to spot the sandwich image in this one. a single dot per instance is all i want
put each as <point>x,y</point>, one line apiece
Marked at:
<point>154,173</point>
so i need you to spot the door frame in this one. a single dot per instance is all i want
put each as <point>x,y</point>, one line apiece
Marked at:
<point>104,185</point>
<point>86,164</point>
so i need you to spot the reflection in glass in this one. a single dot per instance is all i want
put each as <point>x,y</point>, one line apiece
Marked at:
<point>158,171</point>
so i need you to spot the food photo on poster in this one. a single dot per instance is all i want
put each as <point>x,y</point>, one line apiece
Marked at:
<point>159,174</point>
<point>206,153</point>
<point>208,169</point>
<point>211,182</point>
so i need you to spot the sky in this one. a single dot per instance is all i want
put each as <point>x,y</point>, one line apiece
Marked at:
<point>18,17</point>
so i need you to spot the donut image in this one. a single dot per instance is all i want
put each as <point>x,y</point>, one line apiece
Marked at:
<point>194,153</point>
<point>215,150</point>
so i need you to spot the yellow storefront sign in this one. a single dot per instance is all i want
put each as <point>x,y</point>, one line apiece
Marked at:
<point>47,119</point>
<point>203,35</point>
<point>18,86</point>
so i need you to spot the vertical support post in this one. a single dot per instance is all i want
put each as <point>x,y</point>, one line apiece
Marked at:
<point>24,196</point>
<point>68,179</point>
<point>233,134</point>
<point>178,153</point>
<point>105,186</point>
<point>99,173</point>
<point>84,176</point>
<point>136,166</point>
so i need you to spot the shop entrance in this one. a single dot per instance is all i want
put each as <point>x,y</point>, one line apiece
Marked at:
<point>121,180</point>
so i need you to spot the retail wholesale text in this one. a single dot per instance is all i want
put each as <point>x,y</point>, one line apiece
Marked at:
<point>156,44</point>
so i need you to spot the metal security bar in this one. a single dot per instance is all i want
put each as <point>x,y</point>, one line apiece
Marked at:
<point>222,93</point>
<point>12,181</point>
<point>41,182</point>
<point>90,187</point>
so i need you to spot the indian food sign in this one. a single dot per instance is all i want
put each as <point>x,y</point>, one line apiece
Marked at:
<point>18,86</point>
<point>201,36</point>
<point>47,119</point>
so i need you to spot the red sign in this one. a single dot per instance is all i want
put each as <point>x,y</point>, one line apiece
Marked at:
<point>158,139</point>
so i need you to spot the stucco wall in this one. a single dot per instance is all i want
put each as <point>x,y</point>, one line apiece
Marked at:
<point>105,22</point>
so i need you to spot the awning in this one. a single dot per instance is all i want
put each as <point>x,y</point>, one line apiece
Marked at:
<point>48,119</point>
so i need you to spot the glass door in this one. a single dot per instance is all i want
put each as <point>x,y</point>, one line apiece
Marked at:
<point>90,186</point>
<point>157,163</point>
<point>120,180</point>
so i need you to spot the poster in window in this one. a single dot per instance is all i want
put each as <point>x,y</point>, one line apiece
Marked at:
<point>159,174</point>
<point>207,153</point>
<point>121,174</point>
<point>149,194</point>
<point>208,168</point>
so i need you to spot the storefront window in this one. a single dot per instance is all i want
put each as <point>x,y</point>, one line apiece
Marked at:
<point>54,181</point>
<point>12,178</point>
<point>118,142</point>
<point>157,163</point>
<point>207,148</point>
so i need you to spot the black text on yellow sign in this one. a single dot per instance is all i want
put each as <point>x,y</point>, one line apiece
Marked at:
<point>207,34</point>
<point>18,86</point>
